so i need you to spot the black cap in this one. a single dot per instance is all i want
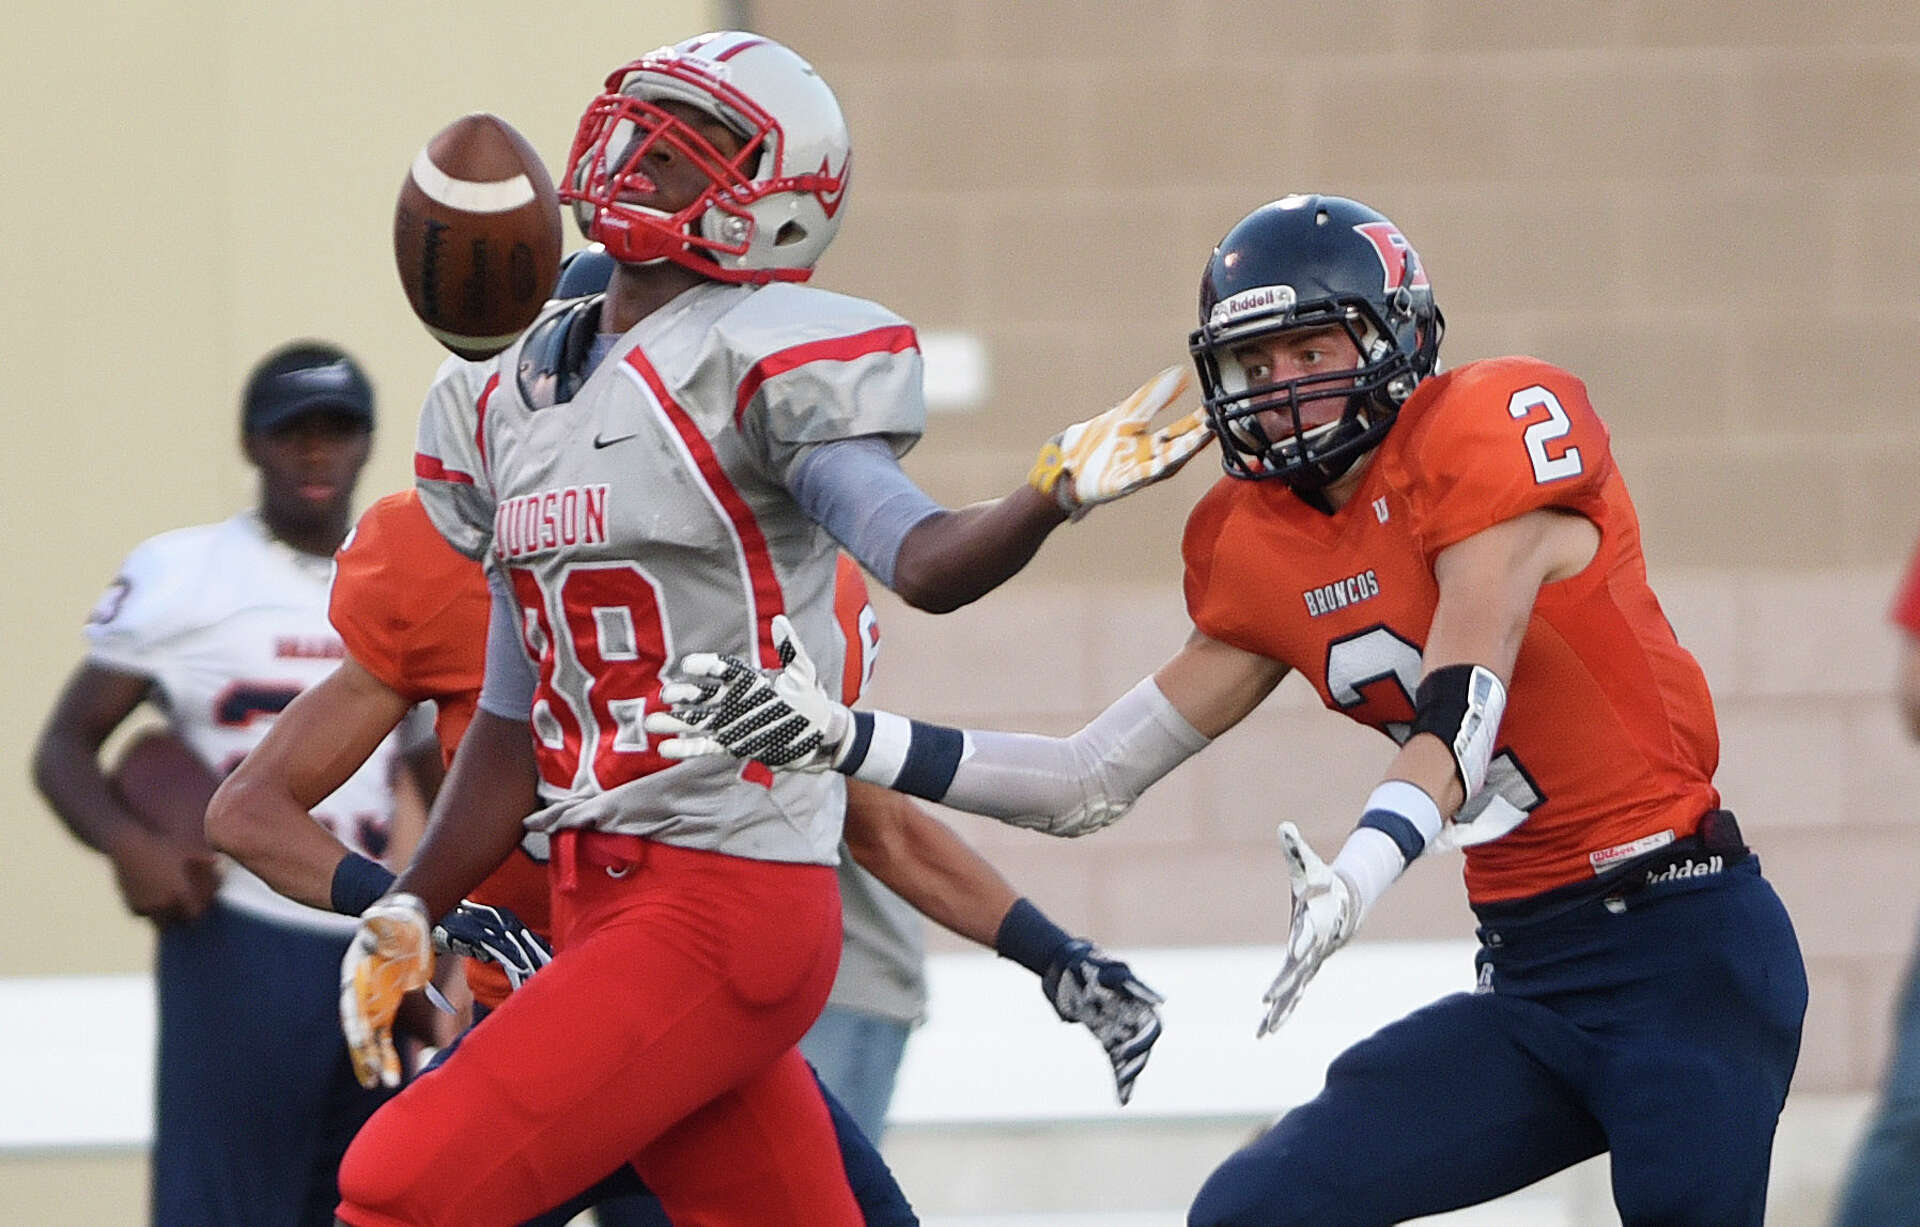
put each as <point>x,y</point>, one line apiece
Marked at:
<point>303,377</point>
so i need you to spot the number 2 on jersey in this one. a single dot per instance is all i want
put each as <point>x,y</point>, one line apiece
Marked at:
<point>1555,425</point>
<point>1379,655</point>
<point>610,652</point>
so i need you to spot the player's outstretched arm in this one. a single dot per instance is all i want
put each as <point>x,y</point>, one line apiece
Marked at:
<point>1061,785</point>
<point>923,861</point>
<point>954,557</point>
<point>157,877</point>
<point>262,815</point>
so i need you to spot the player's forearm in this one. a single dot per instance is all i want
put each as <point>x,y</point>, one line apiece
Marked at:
<point>477,819</point>
<point>1061,785</point>
<point>68,775</point>
<point>262,814</point>
<point>957,557</point>
<point>919,858</point>
<point>259,824</point>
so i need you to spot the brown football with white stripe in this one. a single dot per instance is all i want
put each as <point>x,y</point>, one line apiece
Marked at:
<point>476,235</point>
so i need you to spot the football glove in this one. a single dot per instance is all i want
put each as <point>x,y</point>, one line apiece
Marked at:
<point>1112,454</point>
<point>391,954</point>
<point>493,935</point>
<point>1086,985</point>
<point>781,717</point>
<point>1326,910</point>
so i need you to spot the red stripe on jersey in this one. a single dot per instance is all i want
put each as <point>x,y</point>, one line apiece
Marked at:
<point>763,585</point>
<point>480,421</point>
<point>737,48</point>
<point>430,468</point>
<point>893,339</point>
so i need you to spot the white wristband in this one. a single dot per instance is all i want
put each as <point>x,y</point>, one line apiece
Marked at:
<point>1395,826</point>
<point>1370,862</point>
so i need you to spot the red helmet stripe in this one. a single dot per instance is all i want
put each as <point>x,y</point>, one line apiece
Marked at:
<point>737,48</point>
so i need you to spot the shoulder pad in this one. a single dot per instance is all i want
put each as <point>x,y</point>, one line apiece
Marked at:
<point>553,355</point>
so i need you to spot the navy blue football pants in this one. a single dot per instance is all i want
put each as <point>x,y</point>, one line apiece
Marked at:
<point>255,1099</point>
<point>1663,1028</point>
<point>623,1200</point>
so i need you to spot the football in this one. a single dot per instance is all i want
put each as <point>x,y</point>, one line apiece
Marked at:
<point>476,235</point>
<point>166,786</point>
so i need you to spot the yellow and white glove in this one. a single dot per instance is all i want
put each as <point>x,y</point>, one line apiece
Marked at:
<point>1115,453</point>
<point>390,956</point>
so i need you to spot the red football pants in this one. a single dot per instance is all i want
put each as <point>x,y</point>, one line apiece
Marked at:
<point>662,1034</point>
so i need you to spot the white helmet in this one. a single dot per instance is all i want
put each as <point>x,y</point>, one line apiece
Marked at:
<point>770,210</point>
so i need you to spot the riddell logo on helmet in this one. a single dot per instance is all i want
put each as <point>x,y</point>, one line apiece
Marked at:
<point>1246,302</point>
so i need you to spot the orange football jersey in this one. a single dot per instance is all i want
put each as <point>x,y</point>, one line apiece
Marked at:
<point>1608,745</point>
<point>413,613</point>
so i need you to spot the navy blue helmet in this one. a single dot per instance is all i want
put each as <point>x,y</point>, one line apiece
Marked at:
<point>1312,262</point>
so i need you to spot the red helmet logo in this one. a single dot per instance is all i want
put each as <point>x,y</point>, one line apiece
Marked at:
<point>832,195</point>
<point>1397,256</point>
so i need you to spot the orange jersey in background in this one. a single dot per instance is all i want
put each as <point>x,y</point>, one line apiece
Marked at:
<point>413,613</point>
<point>1609,743</point>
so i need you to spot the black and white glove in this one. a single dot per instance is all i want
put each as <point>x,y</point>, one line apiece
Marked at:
<point>1086,985</point>
<point>781,717</point>
<point>493,935</point>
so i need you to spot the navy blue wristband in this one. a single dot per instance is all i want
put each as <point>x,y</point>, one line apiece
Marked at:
<point>358,883</point>
<point>905,755</point>
<point>1028,938</point>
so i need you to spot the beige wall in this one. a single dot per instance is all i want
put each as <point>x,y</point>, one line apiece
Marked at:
<point>1710,212</point>
<point>189,184</point>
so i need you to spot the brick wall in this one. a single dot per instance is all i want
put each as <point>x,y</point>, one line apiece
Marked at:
<point>1710,212</point>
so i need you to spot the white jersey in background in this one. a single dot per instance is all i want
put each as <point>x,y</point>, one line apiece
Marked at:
<point>230,624</point>
<point>649,517</point>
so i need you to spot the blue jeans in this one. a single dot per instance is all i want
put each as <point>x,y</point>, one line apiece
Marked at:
<point>857,1056</point>
<point>1883,1189</point>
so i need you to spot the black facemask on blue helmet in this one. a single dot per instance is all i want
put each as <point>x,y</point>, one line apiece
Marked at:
<point>1312,262</point>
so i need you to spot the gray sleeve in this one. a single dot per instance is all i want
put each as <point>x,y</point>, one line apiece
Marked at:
<point>507,690</point>
<point>1061,785</point>
<point>857,491</point>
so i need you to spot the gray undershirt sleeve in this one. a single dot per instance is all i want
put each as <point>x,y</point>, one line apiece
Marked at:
<point>507,689</point>
<point>1061,785</point>
<point>857,491</point>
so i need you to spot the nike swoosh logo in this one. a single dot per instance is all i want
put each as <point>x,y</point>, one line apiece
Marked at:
<point>599,443</point>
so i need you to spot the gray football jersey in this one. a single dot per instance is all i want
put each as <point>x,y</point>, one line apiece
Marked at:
<point>648,518</point>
